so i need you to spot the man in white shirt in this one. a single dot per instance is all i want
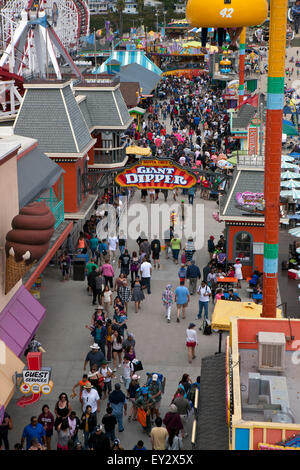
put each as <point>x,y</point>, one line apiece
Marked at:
<point>112,247</point>
<point>146,272</point>
<point>204,295</point>
<point>90,397</point>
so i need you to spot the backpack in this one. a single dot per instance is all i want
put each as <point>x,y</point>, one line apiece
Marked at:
<point>192,392</point>
<point>206,327</point>
<point>161,379</point>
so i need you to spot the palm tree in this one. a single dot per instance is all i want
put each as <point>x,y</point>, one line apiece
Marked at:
<point>120,6</point>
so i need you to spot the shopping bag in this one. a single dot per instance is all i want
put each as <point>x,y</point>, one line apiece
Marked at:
<point>142,417</point>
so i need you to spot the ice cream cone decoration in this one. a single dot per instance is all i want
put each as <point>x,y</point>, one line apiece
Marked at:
<point>28,241</point>
<point>15,270</point>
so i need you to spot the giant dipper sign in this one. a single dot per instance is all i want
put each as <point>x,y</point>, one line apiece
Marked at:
<point>156,174</point>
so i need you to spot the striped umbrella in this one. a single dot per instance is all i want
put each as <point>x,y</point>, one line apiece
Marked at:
<point>295,231</point>
<point>290,184</point>
<point>286,165</point>
<point>286,158</point>
<point>289,175</point>
<point>223,164</point>
<point>295,193</point>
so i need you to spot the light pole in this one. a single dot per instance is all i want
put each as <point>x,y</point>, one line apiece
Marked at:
<point>165,19</point>
<point>156,14</point>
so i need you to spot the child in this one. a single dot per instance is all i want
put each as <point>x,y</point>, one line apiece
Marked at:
<point>182,273</point>
<point>230,271</point>
<point>107,298</point>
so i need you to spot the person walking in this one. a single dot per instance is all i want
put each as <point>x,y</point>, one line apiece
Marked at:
<point>5,426</point>
<point>125,294</point>
<point>46,419</point>
<point>108,272</point>
<point>182,299</point>
<point>131,395</point>
<point>204,294</point>
<point>98,287</point>
<point>90,397</point>
<point>192,274</point>
<point>191,194</point>
<point>137,294</point>
<point>98,441</point>
<point>183,408</point>
<point>172,420</point>
<point>158,435</point>
<point>191,341</point>
<point>87,425</point>
<point>124,262</point>
<point>211,246</point>
<point>176,247</point>
<point>95,356</point>
<point>109,422</point>
<point>34,430</point>
<point>117,401</point>
<point>174,441</point>
<point>146,273</point>
<point>134,266</point>
<point>168,300</point>
<point>156,249</point>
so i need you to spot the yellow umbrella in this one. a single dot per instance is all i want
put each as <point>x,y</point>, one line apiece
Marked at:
<point>225,62</point>
<point>135,150</point>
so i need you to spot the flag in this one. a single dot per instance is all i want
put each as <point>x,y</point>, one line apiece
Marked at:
<point>90,39</point>
<point>41,21</point>
<point>253,100</point>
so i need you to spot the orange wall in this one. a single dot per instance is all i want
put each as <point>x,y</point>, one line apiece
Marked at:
<point>258,236</point>
<point>70,183</point>
<point>257,437</point>
<point>248,328</point>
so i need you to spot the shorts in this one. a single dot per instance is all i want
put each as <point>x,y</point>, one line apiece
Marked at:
<point>117,350</point>
<point>49,433</point>
<point>155,255</point>
<point>107,386</point>
<point>156,405</point>
<point>190,344</point>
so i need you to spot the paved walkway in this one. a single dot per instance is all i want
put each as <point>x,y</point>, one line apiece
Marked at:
<point>159,345</point>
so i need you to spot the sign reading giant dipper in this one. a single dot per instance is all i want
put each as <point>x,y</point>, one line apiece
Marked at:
<point>156,174</point>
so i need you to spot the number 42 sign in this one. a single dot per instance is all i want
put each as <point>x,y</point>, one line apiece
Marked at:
<point>227,12</point>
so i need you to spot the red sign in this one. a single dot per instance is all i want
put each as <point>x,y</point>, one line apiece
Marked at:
<point>252,140</point>
<point>156,174</point>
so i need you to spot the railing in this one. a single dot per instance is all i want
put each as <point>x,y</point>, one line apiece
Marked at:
<point>257,161</point>
<point>57,209</point>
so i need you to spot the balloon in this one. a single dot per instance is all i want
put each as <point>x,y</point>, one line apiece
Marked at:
<point>99,33</point>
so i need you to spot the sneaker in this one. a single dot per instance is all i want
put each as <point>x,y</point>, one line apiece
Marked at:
<point>178,321</point>
<point>121,380</point>
<point>114,370</point>
<point>169,321</point>
<point>120,365</point>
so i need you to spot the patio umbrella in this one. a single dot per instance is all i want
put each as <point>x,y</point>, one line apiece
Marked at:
<point>287,158</point>
<point>295,231</point>
<point>286,165</point>
<point>289,175</point>
<point>223,164</point>
<point>290,184</point>
<point>232,160</point>
<point>289,129</point>
<point>295,193</point>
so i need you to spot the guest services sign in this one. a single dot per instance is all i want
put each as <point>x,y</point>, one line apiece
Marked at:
<point>156,174</point>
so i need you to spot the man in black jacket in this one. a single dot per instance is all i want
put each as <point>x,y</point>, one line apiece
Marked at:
<point>99,441</point>
<point>193,273</point>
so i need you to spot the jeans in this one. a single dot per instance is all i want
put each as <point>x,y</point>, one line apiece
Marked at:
<point>175,254</point>
<point>111,435</point>
<point>122,249</point>
<point>191,198</point>
<point>146,282</point>
<point>201,306</point>
<point>86,439</point>
<point>119,418</point>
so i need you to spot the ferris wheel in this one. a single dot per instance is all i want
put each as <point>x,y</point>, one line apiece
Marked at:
<point>69,18</point>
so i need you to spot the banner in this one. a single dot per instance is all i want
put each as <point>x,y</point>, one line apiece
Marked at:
<point>156,174</point>
<point>252,140</point>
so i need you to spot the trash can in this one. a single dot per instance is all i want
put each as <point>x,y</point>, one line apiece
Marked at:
<point>78,270</point>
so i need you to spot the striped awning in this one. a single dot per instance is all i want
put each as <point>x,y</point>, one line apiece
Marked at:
<point>129,57</point>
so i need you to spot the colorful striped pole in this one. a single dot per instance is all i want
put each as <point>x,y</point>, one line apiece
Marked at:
<point>242,66</point>
<point>275,101</point>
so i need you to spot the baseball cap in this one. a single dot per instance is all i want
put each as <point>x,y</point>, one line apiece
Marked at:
<point>99,428</point>
<point>154,377</point>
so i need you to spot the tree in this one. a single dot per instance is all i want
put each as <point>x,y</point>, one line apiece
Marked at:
<point>120,6</point>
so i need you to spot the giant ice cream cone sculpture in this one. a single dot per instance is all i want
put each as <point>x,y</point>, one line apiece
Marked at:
<point>28,241</point>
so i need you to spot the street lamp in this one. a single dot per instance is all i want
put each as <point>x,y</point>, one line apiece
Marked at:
<point>165,19</point>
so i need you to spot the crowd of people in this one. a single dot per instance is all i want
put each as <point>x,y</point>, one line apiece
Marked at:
<point>117,278</point>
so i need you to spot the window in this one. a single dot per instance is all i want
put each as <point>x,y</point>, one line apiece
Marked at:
<point>243,247</point>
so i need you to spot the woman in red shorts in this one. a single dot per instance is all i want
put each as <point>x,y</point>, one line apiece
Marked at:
<point>191,341</point>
